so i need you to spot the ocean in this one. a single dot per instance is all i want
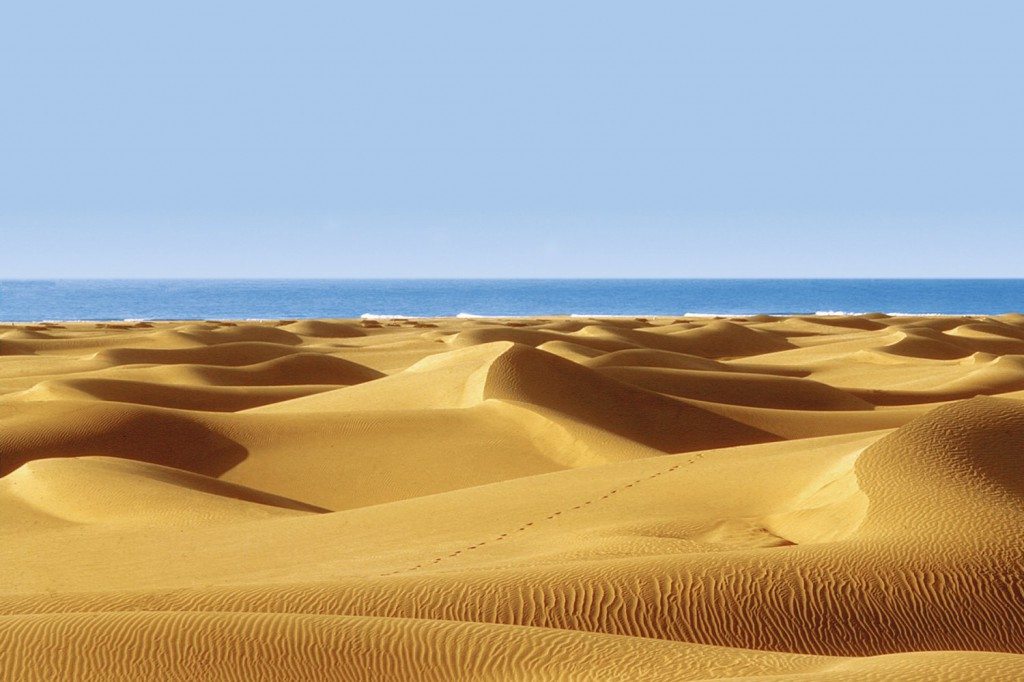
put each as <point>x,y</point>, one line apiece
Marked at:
<point>35,300</point>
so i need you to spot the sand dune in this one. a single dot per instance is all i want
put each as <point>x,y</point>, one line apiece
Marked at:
<point>324,329</point>
<point>212,398</point>
<point>662,359</point>
<point>300,369</point>
<point>312,647</point>
<point>520,374</point>
<point>89,490</point>
<point>738,388</point>
<point>722,338</point>
<point>231,354</point>
<point>212,334</point>
<point>785,498</point>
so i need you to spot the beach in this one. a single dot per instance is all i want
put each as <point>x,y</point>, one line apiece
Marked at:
<point>812,497</point>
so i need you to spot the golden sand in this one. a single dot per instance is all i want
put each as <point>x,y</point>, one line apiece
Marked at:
<point>796,498</point>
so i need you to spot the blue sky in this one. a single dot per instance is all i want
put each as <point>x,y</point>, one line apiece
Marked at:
<point>527,139</point>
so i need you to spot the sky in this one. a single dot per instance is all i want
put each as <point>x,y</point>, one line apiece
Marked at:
<point>525,139</point>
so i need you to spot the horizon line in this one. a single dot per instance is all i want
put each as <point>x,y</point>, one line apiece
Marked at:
<point>505,279</point>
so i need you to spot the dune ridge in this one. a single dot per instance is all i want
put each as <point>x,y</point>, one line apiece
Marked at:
<point>821,497</point>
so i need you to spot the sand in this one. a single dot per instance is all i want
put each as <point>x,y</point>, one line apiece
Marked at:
<point>533,499</point>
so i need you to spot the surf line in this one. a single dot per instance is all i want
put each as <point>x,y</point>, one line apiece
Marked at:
<point>529,524</point>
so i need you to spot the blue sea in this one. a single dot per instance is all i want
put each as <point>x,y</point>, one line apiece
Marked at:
<point>33,300</point>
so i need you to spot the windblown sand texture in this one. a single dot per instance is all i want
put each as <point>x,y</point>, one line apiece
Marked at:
<point>805,498</point>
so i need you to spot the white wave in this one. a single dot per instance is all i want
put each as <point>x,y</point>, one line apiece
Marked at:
<point>375,316</point>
